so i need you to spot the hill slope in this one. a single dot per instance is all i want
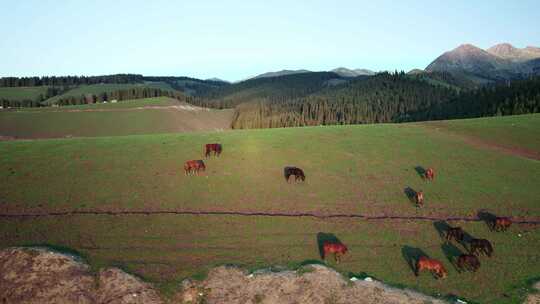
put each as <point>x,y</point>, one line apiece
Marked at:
<point>282,87</point>
<point>141,116</point>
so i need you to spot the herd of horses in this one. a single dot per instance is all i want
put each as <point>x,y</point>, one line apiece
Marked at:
<point>465,262</point>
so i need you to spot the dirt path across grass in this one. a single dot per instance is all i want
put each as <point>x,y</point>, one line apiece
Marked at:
<point>185,107</point>
<point>487,145</point>
<point>533,221</point>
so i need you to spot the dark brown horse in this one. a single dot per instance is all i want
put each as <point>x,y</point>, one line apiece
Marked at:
<point>455,233</point>
<point>501,223</point>
<point>479,246</point>
<point>468,262</point>
<point>194,166</point>
<point>209,148</point>
<point>297,172</point>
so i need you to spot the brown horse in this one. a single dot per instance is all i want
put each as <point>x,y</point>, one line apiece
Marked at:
<point>501,223</point>
<point>194,166</point>
<point>338,249</point>
<point>419,197</point>
<point>436,267</point>
<point>468,262</point>
<point>209,148</point>
<point>430,174</point>
<point>479,246</point>
<point>455,233</point>
<point>297,172</point>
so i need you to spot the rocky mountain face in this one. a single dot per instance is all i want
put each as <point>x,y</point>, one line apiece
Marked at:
<point>502,61</point>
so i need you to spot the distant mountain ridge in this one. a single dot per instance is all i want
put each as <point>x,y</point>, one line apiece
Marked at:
<point>280,73</point>
<point>345,72</point>
<point>341,71</point>
<point>501,61</point>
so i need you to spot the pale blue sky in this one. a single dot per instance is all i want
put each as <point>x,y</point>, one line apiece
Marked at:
<point>236,39</point>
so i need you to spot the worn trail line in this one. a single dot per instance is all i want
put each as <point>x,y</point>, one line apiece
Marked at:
<point>263,214</point>
<point>486,144</point>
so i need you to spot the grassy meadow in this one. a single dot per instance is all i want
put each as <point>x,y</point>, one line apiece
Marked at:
<point>22,93</point>
<point>97,89</point>
<point>128,117</point>
<point>350,170</point>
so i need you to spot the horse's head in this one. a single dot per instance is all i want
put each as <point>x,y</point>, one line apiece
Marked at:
<point>443,273</point>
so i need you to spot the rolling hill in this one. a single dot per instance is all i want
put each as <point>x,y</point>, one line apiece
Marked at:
<point>23,93</point>
<point>280,73</point>
<point>100,89</point>
<point>280,87</point>
<point>141,116</point>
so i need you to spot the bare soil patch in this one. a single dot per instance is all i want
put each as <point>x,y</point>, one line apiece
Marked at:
<point>37,275</point>
<point>317,284</point>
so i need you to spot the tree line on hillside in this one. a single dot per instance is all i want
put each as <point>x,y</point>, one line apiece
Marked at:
<point>188,85</point>
<point>276,88</point>
<point>508,98</point>
<point>59,81</point>
<point>382,98</point>
<point>119,95</point>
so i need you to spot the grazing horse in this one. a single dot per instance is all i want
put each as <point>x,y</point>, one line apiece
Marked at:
<point>436,267</point>
<point>479,246</point>
<point>338,249</point>
<point>455,233</point>
<point>194,166</point>
<point>209,148</point>
<point>419,197</point>
<point>430,174</point>
<point>468,262</point>
<point>297,172</point>
<point>501,223</point>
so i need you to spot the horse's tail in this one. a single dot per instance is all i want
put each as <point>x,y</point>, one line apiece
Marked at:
<point>489,248</point>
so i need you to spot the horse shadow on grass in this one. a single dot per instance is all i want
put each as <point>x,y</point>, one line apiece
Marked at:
<point>323,237</point>
<point>452,253</point>
<point>411,256</point>
<point>421,171</point>
<point>488,218</point>
<point>441,227</point>
<point>411,194</point>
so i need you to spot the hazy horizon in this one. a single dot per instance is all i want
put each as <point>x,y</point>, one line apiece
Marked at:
<point>238,40</point>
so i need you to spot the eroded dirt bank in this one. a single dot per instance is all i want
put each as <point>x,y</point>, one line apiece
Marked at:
<point>38,275</point>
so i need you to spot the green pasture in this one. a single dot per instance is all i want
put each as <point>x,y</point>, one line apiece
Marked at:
<point>104,88</point>
<point>22,93</point>
<point>110,119</point>
<point>350,170</point>
<point>520,131</point>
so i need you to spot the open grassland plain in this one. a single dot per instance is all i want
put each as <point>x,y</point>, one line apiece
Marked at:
<point>22,93</point>
<point>141,116</point>
<point>125,201</point>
